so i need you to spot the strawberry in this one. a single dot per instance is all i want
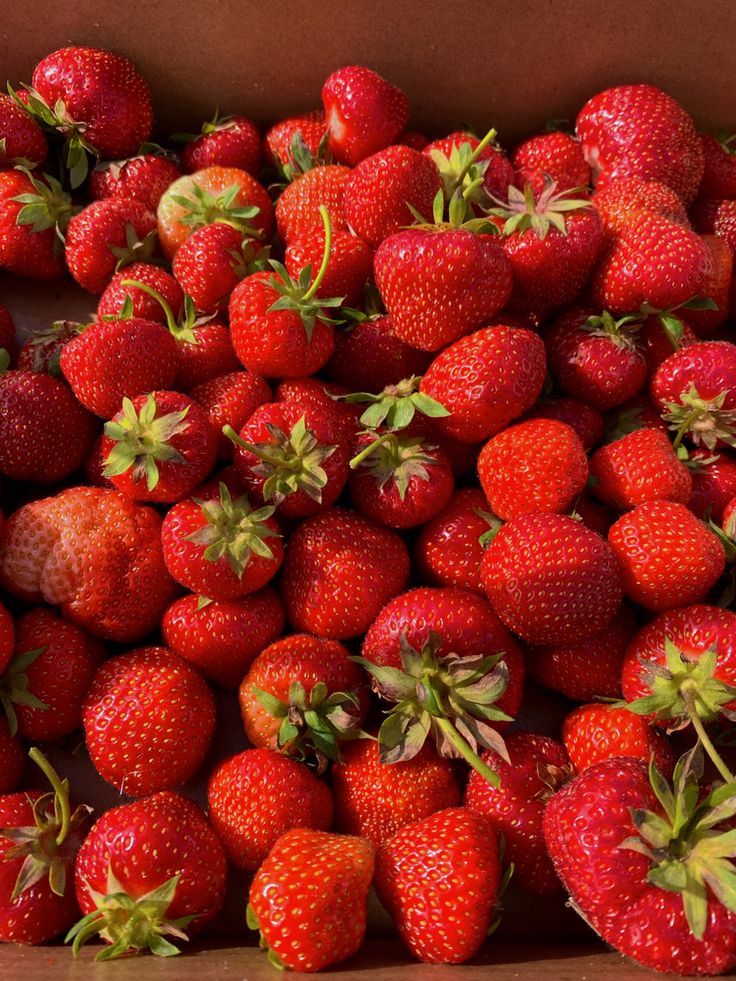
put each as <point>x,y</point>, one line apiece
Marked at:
<point>668,558</point>
<point>385,190</point>
<point>364,113</point>
<point>148,721</point>
<point>258,795</point>
<point>35,410</point>
<point>594,732</point>
<point>43,351</point>
<point>349,266</point>
<point>230,400</point>
<point>717,217</point>
<point>11,760</point>
<point>374,800</point>
<point>554,154</point>
<point>486,381</point>
<point>369,355</point>
<point>535,768</point>
<point>143,178</point>
<point>279,142</point>
<point>225,141</point>
<point>583,418</point>
<point>34,212</point>
<point>533,466</point>
<point>308,899</point>
<point>106,235</point>
<point>340,569</point>
<point>222,637</point>
<point>344,417</point>
<point>144,306</point>
<point>7,334</point>
<point>620,198</point>
<point>297,209</point>
<point>714,483</point>
<point>147,870</point>
<point>551,579</point>
<point>94,554</point>
<point>637,468</point>
<point>638,130</point>
<point>716,288</point>
<point>115,359</point>
<point>159,447</point>
<point>221,547</point>
<point>211,262</point>
<point>719,175</point>
<point>658,336</point>
<point>448,861</point>
<point>7,635</point>
<point>303,696</point>
<point>21,138</point>
<point>479,167</point>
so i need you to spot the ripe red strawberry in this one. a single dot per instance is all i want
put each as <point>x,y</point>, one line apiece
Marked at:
<point>639,467</point>
<point>620,198</point>
<point>668,558</point>
<point>35,410</point>
<point>211,262</point>
<point>719,175</point>
<point>144,305</point>
<point>94,554</point>
<point>717,217</point>
<point>536,465</point>
<point>595,732</point>
<point>221,547</point>
<point>29,229</point>
<point>159,447</point>
<point>42,351</point>
<point>641,131</point>
<point>344,417</point>
<point>12,759</point>
<point>714,483</point>
<point>259,794</point>
<point>448,857</point>
<point>364,113</point>
<point>490,173</point>
<point>227,141</point>
<point>653,261</point>
<point>148,870</point>
<point>448,551</point>
<point>148,720</point>
<point>644,892</point>
<point>7,635</point>
<point>381,188</point>
<point>303,696</point>
<point>230,400</point>
<point>551,579</point>
<point>375,799</point>
<point>340,569</point>
<point>297,209</point>
<point>278,143</point>
<point>369,355</point>
<point>115,359</point>
<point>486,381</point>
<point>21,138</point>
<point>8,340</point>
<point>717,288</point>
<point>349,266</point>
<point>583,418</point>
<point>308,899</point>
<point>438,284</point>
<point>659,336</point>
<point>535,768</point>
<point>556,155</point>
<point>144,178</point>
<point>222,637</point>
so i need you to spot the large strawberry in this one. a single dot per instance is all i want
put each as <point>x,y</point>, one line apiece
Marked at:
<point>34,213</point>
<point>144,178</point>
<point>639,467</point>
<point>364,113</point>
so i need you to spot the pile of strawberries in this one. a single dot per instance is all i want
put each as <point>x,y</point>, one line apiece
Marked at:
<point>365,431</point>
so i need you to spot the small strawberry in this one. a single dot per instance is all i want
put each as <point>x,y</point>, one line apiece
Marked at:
<point>143,178</point>
<point>143,306</point>
<point>230,400</point>
<point>369,355</point>
<point>305,133</point>
<point>21,138</point>
<point>297,209</point>
<point>719,176</point>
<point>34,214</point>
<point>225,141</point>
<point>349,265</point>
<point>639,467</point>
<point>554,154</point>
<point>583,418</point>
<point>594,732</point>
<point>620,198</point>
<point>211,262</point>
<point>42,351</point>
<point>364,113</point>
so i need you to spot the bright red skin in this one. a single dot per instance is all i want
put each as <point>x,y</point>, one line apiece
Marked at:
<point>536,465</point>
<point>349,267</point>
<point>60,676</point>
<point>149,718</point>
<point>583,418</point>
<point>12,759</point>
<point>119,358</point>
<point>668,558</point>
<point>364,113</point>
<point>196,445</point>
<point>637,468</point>
<point>439,285</point>
<point>595,732</point>
<point>274,344</point>
<point>556,154</point>
<point>186,562</point>
<point>516,808</point>
<point>618,200</point>
<point>717,217</point>
<point>297,658</point>
<point>144,178</point>
<point>656,344</point>
<point>23,137</point>
<point>148,842</point>
<point>103,90</point>
<point>716,287</point>
<point>500,173</point>
<point>345,418</point>
<point>370,356</point>
<point>448,551</point>
<point>285,415</point>
<point>237,144</point>
<point>340,570</point>
<point>24,252</point>
<point>585,824</point>
<point>206,265</point>
<point>277,141</point>
<point>486,381</point>
<point>380,189</point>
<point>551,579</point>
<point>222,639</point>
<point>35,411</point>
<point>259,794</point>
<point>38,915</point>
<point>653,261</point>
<point>90,234</point>
<point>297,209</point>
<point>719,175</point>
<point>710,366</point>
<point>714,485</point>
<point>641,131</point>
<point>7,334</point>
<point>230,399</point>
<point>449,859</point>
<point>694,629</point>
<point>583,672</point>
<point>594,369</point>
<point>144,306</point>
<point>210,356</point>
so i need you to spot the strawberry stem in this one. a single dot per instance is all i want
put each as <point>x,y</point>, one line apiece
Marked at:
<point>454,737</point>
<point>325,255</point>
<point>688,692</point>
<point>273,459</point>
<point>62,795</point>
<point>458,182</point>
<point>170,319</point>
<point>371,448</point>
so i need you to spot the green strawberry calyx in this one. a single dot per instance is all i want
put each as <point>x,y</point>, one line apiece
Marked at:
<point>396,405</point>
<point>289,462</point>
<point>689,852</point>
<point>399,459</point>
<point>204,208</point>
<point>449,697</point>
<point>622,331</point>
<point>143,440</point>
<point>129,924</point>
<point>53,337</point>
<point>547,211</point>
<point>703,420</point>
<point>463,173</point>
<point>672,324</point>
<point>300,158</point>
<point>49,845</point>
<point>184,329</point>
<point>495,524</point>
<point>136,249</point>
<point>234,531</point>
<point>46,206</point>
<point>217,124</point>
<point>15,687</point>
